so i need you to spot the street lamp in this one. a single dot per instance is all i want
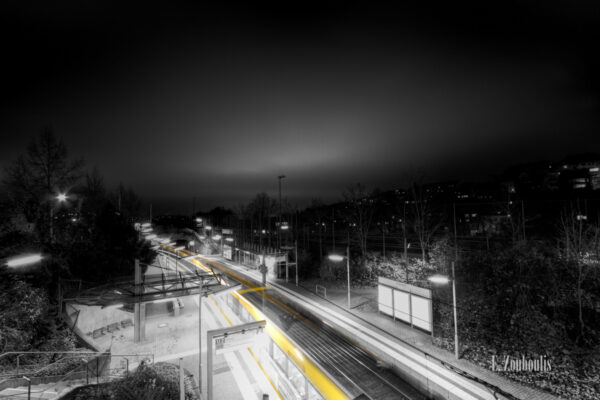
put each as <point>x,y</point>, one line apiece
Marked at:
<point>280,177</point>
<point>443,280</point>
<point>338,258</point>
<point>23,260</point>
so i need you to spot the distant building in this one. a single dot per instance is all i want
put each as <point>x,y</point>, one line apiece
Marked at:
<point>573,173</point>
<point>580,172</point>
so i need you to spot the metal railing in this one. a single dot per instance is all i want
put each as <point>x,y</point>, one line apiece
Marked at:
<point>94,370</point>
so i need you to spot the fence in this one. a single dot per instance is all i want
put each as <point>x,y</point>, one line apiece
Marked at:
<point>92,368</point>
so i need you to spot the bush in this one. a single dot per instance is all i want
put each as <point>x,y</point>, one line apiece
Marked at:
<point>158,381</point>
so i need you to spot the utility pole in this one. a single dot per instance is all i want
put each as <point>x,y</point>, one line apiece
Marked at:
<point>348,271</point>
<point>280,177</point>
<point>200,337</point>
<point>404,233</point>
<point>383,238</point>
<point>456,350</point>
<point>139,332</point>
<point>455,237</point>
<point>333,227</point>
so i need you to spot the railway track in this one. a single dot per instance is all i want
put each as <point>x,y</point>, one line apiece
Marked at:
<point>358,371</point>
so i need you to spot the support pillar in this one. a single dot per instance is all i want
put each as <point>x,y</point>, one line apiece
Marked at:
<point>139,309</point>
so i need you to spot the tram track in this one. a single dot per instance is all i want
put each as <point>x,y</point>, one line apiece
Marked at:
<point>360,373</point>
<point>355,368</point>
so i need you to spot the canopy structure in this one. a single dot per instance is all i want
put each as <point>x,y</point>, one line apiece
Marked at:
<point>153,287</point>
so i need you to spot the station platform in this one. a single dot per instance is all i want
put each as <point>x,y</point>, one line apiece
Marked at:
<point>240,375</point>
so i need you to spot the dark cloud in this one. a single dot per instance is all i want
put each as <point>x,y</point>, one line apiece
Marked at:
<point>216,100</point>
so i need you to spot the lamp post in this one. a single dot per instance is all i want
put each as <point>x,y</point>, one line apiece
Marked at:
<point>444,280</point>
<point>28,387</point>
<point>280,177</point>
<point>200,336</point>
<point>337,258</point>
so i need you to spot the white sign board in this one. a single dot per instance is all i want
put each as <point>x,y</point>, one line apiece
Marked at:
<point>237,341</point>
<point>408,303</point>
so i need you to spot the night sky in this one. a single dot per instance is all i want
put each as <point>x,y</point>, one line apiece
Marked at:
<point>190,99</point>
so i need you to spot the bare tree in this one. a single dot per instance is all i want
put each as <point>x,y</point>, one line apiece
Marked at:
<point>315,216</point>
<point>361,209</point>
<point>127,202</point>
<point>580,241</point>
<point>262,207</point>
<point>34,178</point>
<point>242,212</point>
<point>424,223</point>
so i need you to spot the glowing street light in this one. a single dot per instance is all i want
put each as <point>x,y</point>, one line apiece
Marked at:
<point>24,260</point>
<point>442,279</point>
<point>61,197</point>
<point>439,279</point>
<point>338,258</point>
